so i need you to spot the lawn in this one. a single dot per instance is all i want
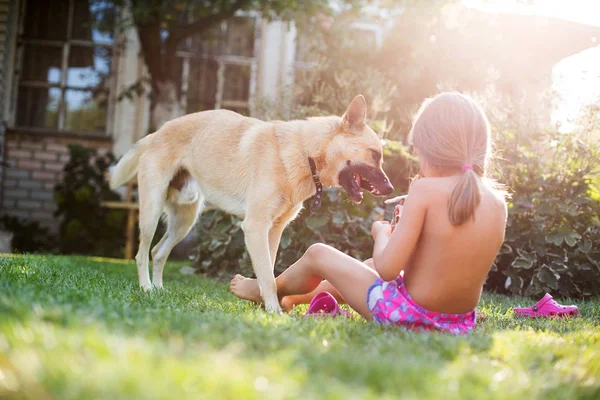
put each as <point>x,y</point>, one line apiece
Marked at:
<point>79,328</point>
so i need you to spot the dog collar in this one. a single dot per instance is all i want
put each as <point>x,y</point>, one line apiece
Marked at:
<point>315,175</point>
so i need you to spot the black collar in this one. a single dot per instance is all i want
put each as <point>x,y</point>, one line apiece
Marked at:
<point>315,175</point>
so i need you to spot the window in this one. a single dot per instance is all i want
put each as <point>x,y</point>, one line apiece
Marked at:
<point>66,53</point>
<point>219,66</point>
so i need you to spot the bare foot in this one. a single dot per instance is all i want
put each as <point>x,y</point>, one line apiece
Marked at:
<point>245,288</point>
<point>287,304</point>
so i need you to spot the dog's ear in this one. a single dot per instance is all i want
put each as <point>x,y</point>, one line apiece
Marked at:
<point>354,119</point>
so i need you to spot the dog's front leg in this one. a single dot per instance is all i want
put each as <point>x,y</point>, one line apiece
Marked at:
<point>277,230</point>
<point>256,234</point>
<point>274,239</point>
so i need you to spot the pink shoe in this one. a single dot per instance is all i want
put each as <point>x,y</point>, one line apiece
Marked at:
<point>325,305</point>
<point>547,307</point>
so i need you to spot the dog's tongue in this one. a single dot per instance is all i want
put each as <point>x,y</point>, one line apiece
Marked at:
<point>357,179</point>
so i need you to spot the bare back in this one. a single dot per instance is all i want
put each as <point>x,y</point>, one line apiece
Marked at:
<point>450,263</point>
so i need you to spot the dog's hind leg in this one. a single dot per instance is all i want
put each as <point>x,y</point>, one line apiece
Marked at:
<point>152,192</point>
<point>180,220</point>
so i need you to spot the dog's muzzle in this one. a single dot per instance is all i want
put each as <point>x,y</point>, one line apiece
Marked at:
<point>358,177</point>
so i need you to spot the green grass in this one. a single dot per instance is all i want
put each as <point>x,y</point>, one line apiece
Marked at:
<point>79,328</point>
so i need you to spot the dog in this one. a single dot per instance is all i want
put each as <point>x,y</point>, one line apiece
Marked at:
<point>260,171</point>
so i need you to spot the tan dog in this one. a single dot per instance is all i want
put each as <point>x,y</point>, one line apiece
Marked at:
<point>260,171</point>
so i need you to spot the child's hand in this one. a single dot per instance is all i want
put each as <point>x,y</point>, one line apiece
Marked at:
<point>398,199</point>
<point>381,227</point>
<point>397,215</point>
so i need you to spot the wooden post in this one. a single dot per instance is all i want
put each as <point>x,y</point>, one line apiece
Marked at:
<point>130,233</point>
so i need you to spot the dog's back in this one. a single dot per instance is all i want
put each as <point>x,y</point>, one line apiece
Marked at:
<point>222,150</point>
<point>174,141</point>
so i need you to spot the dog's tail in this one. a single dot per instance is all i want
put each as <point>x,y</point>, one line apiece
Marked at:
<point>127,167</point>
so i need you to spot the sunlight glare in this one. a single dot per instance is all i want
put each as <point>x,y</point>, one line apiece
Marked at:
<point>576,79</point>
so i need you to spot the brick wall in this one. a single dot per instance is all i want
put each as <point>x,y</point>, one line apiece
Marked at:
<point>35,166</point>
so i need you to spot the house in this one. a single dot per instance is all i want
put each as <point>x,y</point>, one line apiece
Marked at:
<point>61,80</point>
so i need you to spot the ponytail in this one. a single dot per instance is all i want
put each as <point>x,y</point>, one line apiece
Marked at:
<point>449,130</point>
<point>465,197</point>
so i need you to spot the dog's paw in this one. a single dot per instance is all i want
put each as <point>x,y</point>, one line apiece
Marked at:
<point>157,286</point>
<point>273,308</point>
<point>146,287</point>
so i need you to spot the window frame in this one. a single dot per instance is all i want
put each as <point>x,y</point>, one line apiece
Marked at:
<point>222,62</point>
<point>65,46</point>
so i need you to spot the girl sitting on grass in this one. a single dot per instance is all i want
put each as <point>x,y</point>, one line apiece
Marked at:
<point>430,271</point>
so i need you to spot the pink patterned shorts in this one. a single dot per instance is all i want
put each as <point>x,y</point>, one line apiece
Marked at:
<point>391,304</point>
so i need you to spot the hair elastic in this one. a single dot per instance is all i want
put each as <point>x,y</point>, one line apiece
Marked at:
<point>466,167</point>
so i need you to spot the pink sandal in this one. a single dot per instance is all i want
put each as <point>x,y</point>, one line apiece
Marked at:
<point>547,307</point>
<point>325,305</point>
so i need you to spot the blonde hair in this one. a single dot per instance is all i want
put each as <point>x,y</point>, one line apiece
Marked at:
<point>451,132</point>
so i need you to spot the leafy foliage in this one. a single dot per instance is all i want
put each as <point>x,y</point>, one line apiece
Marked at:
<point>29,236</point>
<point>87,227</point>
<point>337,222</point>
<point>553,228</point>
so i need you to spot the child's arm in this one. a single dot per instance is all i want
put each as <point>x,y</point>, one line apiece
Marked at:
<point>391,253</point>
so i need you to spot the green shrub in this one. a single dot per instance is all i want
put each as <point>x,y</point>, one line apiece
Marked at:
<point>337,222</point>
<point>86,227</point>
<point>553,230</point>
<point>29,236</point>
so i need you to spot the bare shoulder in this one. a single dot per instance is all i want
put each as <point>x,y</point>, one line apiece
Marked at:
<point>423,191</point>
<point>496,198</point>
<point>432,187</point>
<point>422,188</point>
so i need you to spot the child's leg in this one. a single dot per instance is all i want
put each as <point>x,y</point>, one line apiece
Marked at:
<point>288,302</point>
<point>350,277</point>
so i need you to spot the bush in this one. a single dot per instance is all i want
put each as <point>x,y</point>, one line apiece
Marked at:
<point>29,236</point>
<point>553,229</point>
<point>87,227</point>
<point>337,222</point>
